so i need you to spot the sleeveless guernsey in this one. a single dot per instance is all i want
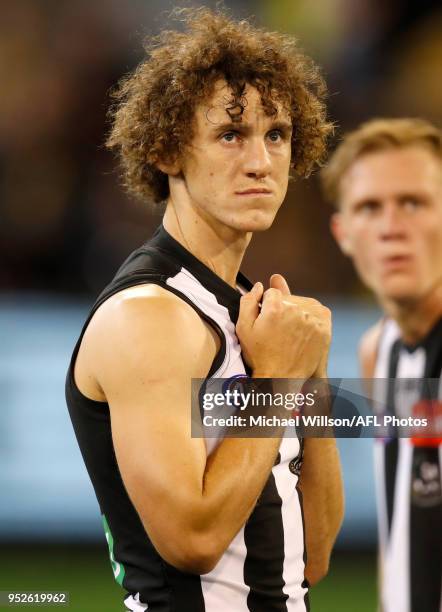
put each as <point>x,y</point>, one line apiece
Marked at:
<point>263,568</point>
<point>408,478</point>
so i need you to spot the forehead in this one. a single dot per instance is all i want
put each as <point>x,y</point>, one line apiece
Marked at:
<point>392,171</point>
<point>219,108</point>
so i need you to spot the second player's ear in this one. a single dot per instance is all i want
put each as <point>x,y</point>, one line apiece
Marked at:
<point>338,231</point>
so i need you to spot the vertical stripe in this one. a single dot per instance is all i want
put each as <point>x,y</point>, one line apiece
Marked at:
<point>186,591</point>
<point>295,553</point>
<point>224,588</point>
<point>264,564</point>
<point>396,562</point>
<point>425,534</point>
<point>391,450</point>
<point>391,455</point>
<point>381,498</point>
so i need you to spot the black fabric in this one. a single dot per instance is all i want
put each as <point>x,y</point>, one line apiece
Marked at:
<point>392,445</point>
<point>264,540</point>
<point>425,539</point>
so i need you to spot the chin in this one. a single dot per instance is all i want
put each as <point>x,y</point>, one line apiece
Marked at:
<point>257,222</point>
<point>399,292</point>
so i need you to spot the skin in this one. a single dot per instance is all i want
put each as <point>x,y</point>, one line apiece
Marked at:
<point>390,224</point>
<point>144,345</point>
<point>208,209</point>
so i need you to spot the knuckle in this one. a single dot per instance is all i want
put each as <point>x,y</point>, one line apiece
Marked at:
<point>314,302</point>
<point>272,294</point>
<point>274,310</point>
<point>326,311</point>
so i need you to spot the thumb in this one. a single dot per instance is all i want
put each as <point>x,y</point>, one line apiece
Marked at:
<point>249,306</point>
<point>277,281</point>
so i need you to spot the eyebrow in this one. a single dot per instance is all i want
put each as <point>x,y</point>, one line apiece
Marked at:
<point>239,125</point>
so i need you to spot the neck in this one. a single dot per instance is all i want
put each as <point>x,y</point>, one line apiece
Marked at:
<point>219,247</point>
<point>417,317</point>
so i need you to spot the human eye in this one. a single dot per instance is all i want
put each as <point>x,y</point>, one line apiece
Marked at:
<point>275,135</point>
<point>230,136</point>
<point>411,203</point>
<point>368,207</point>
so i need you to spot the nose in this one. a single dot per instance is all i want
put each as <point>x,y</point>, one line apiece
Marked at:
<point>391,223</point>
<point>257,161</point>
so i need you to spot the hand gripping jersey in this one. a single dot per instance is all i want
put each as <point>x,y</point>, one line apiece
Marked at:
<point>408,476</point>
<point>263,568</point>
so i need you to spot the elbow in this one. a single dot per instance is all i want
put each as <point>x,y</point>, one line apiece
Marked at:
<point>315,572</point>
<point>184,539</point>
<point>195,554</point>
<point>201,557</point>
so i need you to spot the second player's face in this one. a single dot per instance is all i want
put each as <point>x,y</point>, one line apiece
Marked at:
<point>236,173</point>
<point>390,221</point>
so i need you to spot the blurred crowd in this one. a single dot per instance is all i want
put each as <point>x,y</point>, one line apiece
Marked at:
<point>65,222</point>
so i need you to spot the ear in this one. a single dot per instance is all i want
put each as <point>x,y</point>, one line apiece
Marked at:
<point>338,229</point>
<point>170,168</point>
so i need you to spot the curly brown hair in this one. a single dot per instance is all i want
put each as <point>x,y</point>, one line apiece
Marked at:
<point>153,115</point>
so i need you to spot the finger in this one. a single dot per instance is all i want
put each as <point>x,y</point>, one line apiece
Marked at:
<point>277,281</point>
<point>271,301</point>
<point>249,306</point>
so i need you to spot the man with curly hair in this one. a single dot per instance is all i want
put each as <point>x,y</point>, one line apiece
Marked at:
<point>386,179</point>
<point>209,123</point>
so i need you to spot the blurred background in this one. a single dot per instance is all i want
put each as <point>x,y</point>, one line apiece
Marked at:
<point>66,224</point>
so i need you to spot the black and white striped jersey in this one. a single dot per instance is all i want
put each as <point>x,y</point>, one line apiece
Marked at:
<point>263,568</point>
<point>408,476</point>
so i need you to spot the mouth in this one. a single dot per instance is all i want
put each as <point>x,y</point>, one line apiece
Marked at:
<point>396,261</point>
<point>254,192</point>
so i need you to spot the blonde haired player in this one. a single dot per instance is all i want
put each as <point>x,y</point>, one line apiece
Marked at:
<point>385,179</point>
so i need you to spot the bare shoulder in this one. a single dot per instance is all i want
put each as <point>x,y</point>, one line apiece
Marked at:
<point>146,328</point>
<point>368,347</point>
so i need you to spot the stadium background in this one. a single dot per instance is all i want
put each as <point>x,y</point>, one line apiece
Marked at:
<point>65,225</point>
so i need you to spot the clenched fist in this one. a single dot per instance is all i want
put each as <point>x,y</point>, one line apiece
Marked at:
<point>288,337</point>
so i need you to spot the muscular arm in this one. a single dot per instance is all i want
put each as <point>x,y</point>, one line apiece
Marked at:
<point>148,345</point>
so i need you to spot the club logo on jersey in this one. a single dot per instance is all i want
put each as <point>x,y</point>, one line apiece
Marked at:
<point>426,487</point>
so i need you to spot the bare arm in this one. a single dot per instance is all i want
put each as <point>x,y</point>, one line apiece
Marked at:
<point>148,345</point>
<point>368,350</point>
<point>144,347</point>
<point>323,502</point>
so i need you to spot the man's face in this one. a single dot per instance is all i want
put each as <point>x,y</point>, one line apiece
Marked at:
<point>236,173</point>
<point>390,221</point>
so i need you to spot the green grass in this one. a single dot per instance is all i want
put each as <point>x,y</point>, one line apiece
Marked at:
<point>350,585</point>
<point>87,575</point>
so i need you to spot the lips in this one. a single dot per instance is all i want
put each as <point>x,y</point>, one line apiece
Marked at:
<point>396,261</point>
<point>397,257</point>
<point>253,192</point>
